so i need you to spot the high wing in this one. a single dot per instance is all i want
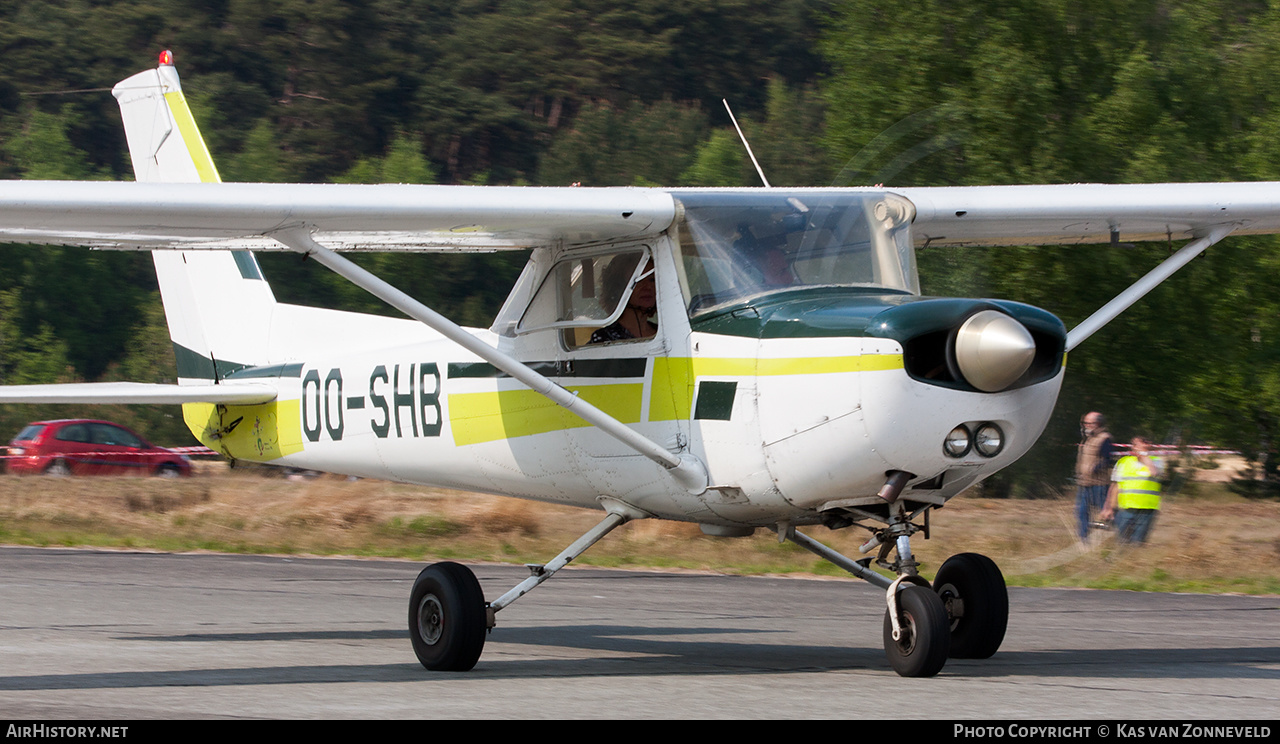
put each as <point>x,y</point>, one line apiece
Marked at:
<point>1090,213</point>
<point>467,218</point>
<point>340,216</point>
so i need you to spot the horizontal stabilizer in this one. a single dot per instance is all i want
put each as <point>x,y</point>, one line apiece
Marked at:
<point>138,392</point>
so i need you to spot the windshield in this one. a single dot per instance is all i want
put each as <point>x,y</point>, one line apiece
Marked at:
<point>735,245</point>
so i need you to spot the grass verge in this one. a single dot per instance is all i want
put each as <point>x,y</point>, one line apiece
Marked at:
<point>1206,542</point>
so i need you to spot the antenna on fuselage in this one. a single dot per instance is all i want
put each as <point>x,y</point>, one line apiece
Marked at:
<point>745,144</point>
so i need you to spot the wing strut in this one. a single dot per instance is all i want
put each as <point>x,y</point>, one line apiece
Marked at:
<point>685,468</point>
<point>1140,288</point>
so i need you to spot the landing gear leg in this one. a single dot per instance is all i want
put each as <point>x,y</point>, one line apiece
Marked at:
<point>917,637</point>
<point>448,617</point>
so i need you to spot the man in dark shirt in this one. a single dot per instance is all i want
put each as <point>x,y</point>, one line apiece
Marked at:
<point>1093,469</point>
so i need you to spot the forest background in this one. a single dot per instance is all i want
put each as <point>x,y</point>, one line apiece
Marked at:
<point>627,92</point>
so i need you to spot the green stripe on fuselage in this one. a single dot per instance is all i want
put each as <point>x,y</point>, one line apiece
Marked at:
<point>195,366</point>
<point>600,368</point>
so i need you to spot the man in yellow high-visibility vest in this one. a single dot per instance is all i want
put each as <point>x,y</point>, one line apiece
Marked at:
<point>1135,492</point>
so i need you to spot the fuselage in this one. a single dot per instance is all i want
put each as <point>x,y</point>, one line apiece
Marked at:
<point>798,399</point>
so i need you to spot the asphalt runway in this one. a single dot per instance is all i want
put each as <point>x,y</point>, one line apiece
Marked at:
<point>103,635</point>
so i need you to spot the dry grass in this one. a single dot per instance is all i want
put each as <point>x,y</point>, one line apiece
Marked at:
<point>1212,542</point>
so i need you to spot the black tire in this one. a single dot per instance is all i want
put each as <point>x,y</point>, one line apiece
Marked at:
<point>447,618</point>
<point>921,650</point>
<point>979,619</point>
<point>59,468</point>
<point>168,470</point>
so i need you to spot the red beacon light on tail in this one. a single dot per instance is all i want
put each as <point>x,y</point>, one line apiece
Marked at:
<point>166,58</point>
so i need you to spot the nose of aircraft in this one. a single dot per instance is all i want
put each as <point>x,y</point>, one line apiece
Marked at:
<point>993,350</point>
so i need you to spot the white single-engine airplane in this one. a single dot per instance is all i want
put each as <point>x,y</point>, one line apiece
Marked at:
<point>737,358</point>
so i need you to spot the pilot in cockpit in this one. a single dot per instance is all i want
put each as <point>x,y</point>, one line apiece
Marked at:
<point>638,319</point>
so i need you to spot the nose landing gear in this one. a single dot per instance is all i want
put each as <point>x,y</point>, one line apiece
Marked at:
<point>963,615</point>
<point>917,633</point>
<point>918,646</point>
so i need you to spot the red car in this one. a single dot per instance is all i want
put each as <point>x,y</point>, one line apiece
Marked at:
<point>88,447</point>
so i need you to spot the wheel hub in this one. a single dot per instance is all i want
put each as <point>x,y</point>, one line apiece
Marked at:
<point>430,619</point>
<point>907,639</point>
<point>954,604</point>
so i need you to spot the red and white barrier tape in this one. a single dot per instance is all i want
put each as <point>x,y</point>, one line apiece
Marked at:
<point>1197,450</point>
<point>187,451</point>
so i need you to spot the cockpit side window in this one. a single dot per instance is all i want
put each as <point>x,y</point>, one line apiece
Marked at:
<point>585,296</point>
<point>637,318</point>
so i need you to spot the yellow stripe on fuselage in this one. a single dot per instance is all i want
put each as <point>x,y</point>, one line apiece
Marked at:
<point>805,366</point>
<point>491,416</point>
<point>487,417</point>
<point>191,136</point>
<point>674,378</point>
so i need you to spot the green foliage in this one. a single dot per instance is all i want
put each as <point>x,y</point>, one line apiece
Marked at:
<point>720,161</point>
<point>516,72</point>
<point>260,160</point>
<point>639,144</point>
<point>789,144</point>
<point>1052,92</point>
<point>403,163</point>
<point>28,359</point>
<point>41,150</point>
<point>1044,91</point>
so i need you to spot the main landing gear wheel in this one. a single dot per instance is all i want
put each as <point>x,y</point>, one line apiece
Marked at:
<point>447,618</point>
<point>977,603</point>
<point>921,648</point>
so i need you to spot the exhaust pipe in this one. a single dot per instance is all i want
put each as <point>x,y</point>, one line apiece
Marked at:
<point>892,487</point>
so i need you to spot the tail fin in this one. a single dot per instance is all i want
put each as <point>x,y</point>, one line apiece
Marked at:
<point>217,303</point>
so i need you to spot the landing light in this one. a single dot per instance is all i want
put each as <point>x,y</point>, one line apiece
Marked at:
<point>988,440</point>
<point>957,442</point>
